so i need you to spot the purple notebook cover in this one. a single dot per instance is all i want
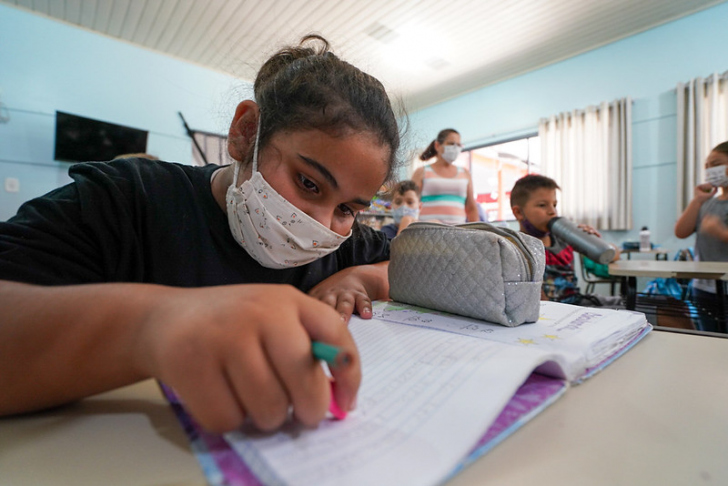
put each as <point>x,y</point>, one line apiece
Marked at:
<point>222,466</point>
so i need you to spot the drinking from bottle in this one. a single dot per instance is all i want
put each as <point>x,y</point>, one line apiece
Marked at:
<point>587,244</point>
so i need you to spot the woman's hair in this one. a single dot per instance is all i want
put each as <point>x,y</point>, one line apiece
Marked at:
<point>308,87</point>
<point>430,151</point>
<point>722,148</point>
<point>526,185</point>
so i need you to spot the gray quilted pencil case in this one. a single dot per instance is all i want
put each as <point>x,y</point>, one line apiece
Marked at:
<point>474,269</point>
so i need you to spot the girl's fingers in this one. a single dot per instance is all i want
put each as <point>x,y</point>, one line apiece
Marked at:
<point>208,396</point>
<point>257,387</point>
<point>364,306</point>
<point>329,330</point>
<point>345,305</point>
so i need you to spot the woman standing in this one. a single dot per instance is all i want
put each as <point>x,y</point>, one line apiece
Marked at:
<point>447,190</point>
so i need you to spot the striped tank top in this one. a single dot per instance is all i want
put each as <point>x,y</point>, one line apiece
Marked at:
<point>443,198</point>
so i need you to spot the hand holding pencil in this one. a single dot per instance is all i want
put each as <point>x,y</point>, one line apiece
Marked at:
<point>254,362</point>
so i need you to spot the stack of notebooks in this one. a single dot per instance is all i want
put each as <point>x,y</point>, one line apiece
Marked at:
<point>438,391</point>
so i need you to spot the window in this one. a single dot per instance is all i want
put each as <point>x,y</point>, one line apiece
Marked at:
<point>496,168</point>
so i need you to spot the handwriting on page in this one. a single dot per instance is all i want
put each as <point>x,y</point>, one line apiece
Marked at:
<point>415,387</point>
<point>556,324</point>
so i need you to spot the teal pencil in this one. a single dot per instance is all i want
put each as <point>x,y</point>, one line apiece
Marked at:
<point>333,355</point>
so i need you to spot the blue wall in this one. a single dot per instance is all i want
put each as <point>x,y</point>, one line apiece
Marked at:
<point>47,65</point>
<point>646,67</point>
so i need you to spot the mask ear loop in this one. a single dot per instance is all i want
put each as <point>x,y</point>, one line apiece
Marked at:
<point>255,154</point>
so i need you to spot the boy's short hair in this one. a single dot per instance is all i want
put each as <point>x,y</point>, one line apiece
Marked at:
<point>406,185</point>
<point>526,185</point>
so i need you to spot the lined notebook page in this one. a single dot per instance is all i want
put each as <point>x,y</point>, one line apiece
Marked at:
<point>426,398</point>
<point>583,336</point>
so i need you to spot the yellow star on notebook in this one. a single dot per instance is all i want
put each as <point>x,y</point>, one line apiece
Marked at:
<point>526,341</point>
<point>551,336</point>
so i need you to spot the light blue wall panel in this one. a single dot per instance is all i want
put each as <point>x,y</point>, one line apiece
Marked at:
<point>48,66</point>
<point>646,67</point>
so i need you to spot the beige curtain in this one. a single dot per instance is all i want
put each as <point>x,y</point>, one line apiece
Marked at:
<point>702,123</point>
<point>589,154</point>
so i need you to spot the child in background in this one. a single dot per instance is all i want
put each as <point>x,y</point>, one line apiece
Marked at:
<point>214,280</point>
<point>707,215</point>
<point>533,201</point>
<point>406,207</point>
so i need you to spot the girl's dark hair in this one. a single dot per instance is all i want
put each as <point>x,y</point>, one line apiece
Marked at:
<point>722,148</point>
<point>527,185</point>
<point>308,87</point>
<point>430,151</point>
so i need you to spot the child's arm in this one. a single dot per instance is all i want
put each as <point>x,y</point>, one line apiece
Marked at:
<point>685,225</point>
<point>230,352</point>
<point>353,289</point>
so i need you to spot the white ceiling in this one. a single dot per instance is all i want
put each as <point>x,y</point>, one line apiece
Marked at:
<point>424,51</point>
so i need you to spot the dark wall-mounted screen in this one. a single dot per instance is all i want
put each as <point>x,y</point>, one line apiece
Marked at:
<point>80,139</point>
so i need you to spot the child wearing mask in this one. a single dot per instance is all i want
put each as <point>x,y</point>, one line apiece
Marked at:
<point>213,280</point>
<point>707,215</point>
<point>533,201</point>
<point>406,207</point>
<point>446,190</point>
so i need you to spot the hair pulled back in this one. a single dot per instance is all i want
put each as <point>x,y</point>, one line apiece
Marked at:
<point>308,87</point>
<point>430,151</point>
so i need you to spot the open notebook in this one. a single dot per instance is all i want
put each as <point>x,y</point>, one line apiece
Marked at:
<point>438,391</point>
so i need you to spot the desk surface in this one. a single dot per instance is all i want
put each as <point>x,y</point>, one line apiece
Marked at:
<point>657,415</point>
<point>670,268</point>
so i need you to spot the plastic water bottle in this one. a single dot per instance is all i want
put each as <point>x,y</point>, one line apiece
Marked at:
<point>645,239</point>
<point>592,246</point>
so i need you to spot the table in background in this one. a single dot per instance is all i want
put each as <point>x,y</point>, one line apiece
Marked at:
<point>629,270</point>
<point>657,415</point>
<point>659,253</point>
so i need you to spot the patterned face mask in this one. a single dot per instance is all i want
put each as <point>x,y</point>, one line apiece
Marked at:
<point>272,230</point>
<point>716,176</point>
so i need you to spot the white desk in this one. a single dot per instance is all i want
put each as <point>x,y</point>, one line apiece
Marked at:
<point>629,271</point>
<point>657,415</point>
<point>659,253</point>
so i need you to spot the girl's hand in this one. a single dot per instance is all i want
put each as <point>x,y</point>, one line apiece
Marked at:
<point>353,289</point>
<point>242,352</point>
<point>703,192</point>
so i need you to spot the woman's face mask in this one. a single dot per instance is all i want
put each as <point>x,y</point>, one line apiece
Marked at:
<point>271,229</point>
<point>451,152</point>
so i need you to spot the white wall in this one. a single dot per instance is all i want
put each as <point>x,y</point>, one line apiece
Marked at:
<point>47,65</point>
<point>646,67</point>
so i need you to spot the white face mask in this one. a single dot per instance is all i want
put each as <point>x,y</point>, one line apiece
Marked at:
<point>716,176</point>
<point>451,153</point>
<point>272,230</point>
<point>402,211</point>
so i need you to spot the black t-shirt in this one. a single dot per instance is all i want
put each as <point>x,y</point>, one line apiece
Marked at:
<point>136,220</point>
